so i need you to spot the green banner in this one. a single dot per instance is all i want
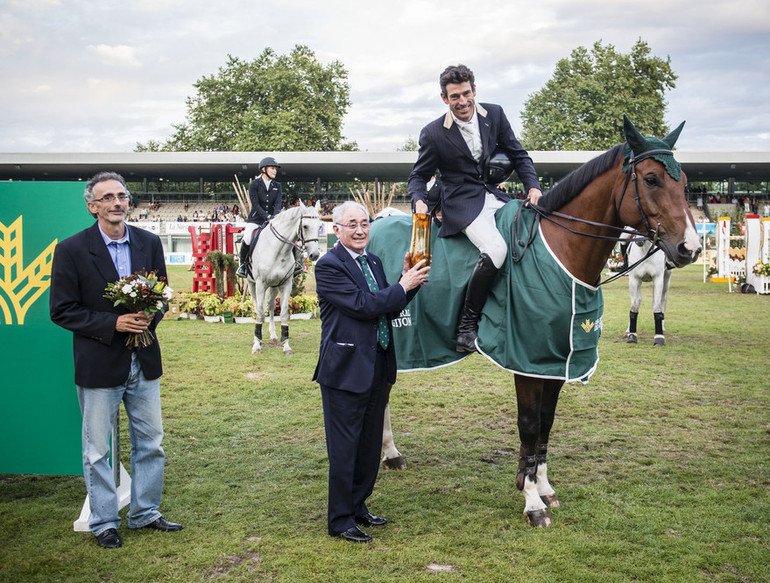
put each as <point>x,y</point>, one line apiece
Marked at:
<point>39,413</point>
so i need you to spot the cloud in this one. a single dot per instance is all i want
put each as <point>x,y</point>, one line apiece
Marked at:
<point>120,55</point>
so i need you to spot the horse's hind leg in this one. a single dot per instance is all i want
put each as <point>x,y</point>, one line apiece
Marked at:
<point>551,390</point>
<point>392,459</point>
<point>529,392</point>
<point>635,290</point>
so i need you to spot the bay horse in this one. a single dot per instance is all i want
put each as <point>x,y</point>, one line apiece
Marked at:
<point>273,263</point>
<point>579,220</point>
<point>651,268</point>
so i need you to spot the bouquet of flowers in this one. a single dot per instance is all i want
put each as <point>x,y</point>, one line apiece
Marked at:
<point>139,292</point>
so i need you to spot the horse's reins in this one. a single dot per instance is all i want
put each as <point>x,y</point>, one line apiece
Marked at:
<point>636,236</point>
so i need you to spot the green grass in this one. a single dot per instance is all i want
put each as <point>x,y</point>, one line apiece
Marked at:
<point>660,462</point>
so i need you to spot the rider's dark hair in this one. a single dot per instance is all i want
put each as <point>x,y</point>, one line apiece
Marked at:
<point>456,74</point>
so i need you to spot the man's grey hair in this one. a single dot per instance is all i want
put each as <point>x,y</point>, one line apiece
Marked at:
<point>340,210</point>
<point>101,177</point>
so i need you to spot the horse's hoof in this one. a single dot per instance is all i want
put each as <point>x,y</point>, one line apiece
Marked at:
<point>395,463</point>
<point>631,339</point>
<point>538,518</point>
<point>288,352</point>
<point>659,341</point>
<point>550,500</point>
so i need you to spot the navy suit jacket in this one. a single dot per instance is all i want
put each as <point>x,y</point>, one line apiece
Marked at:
<point>443,148</point>
<point>82,268</point>
<point>349,320</point>
<point>265,203</point>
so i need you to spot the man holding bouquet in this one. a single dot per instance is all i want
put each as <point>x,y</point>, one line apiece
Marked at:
<point>109,367</point>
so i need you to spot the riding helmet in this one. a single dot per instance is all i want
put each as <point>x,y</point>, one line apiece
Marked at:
<point>269,161</point>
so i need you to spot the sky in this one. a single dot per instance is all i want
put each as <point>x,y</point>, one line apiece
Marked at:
<point>100,76</point>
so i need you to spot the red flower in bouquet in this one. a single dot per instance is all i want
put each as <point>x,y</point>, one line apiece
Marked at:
<point>140,292</point>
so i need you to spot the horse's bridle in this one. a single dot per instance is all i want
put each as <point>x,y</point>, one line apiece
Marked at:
<point>300,236</point>
<point>636,236</point>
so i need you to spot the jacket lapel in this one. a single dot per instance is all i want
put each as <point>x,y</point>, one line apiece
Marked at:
<point>455,137</point>
<point>100,255</point>
<point>349,263</point>
<point>139,259</point>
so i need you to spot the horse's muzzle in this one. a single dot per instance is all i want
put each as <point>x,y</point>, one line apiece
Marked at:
<point>680,255</point>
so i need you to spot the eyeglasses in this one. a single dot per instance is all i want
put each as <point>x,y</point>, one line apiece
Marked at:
<point>108,198</point>
<point>354,226</point>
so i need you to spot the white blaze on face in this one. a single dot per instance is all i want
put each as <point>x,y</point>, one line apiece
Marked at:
<point>691,239</point>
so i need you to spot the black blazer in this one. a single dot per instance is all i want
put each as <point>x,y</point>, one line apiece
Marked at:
<point>82,268</point>
<point>264,203</point>
<point>443,148</point>
<point>349,320</point>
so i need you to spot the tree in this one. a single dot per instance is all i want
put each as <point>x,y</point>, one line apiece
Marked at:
<point>274,103</point>
<point>581,107</point>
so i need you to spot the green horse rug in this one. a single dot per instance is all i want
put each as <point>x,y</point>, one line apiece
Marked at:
<point>538,320</point>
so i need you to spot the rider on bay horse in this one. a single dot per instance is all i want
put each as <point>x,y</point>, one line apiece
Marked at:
<point>459,145</point>
<point>266,199</point>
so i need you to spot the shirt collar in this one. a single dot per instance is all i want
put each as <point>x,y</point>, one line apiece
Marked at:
<point>124,239</point>
<point>352,253</point>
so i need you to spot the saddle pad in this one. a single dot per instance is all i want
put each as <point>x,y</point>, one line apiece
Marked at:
<point>537,321</point>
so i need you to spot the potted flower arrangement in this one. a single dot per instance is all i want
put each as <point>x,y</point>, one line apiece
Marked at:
<point>302,307</point>
<point>212,308</point>
<point>762,269</point>
<point>193,309</point>
<point>243,312</point>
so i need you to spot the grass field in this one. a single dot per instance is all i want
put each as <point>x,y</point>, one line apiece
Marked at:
<point>661,462</point>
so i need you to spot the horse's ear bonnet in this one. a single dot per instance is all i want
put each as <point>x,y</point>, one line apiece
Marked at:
<point>637,144</point>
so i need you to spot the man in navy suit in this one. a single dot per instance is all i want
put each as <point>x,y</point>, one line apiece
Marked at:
<point>106,370</point>
<point>266,196</point>
<point>356,361</point>
<point>458,145</point>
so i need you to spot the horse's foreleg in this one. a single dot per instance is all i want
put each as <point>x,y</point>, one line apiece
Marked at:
<point>271,313</point>
<point>392,459</point>
<point>259,315</point>
<point>551,390</point>
<point>529,392</point>
<point>258,294</point>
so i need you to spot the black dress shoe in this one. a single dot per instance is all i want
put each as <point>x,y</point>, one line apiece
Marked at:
<point>355,535</point>
<point>109,539</point>
<point>162,524</point>
<point>370,519</point>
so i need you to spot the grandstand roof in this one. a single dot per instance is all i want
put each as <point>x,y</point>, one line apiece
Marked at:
<point>329,166</point>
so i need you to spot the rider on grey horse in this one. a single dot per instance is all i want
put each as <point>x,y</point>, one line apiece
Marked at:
<point>266,199</point>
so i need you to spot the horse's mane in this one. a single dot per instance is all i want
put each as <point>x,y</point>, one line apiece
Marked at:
<point>573,184</point>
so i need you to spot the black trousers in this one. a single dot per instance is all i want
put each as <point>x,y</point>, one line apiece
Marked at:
<point>353,424</point>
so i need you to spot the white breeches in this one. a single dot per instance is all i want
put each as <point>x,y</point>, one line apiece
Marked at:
<point>248,232</point>
<point>483,232</point>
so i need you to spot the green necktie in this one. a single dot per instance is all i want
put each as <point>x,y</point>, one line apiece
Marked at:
<point>383,331</point>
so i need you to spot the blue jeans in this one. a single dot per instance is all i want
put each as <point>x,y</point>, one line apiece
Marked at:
<point>99,406</point>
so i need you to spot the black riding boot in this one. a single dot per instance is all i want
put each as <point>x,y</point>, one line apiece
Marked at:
<point>243,256</point>
<point>475,296</point>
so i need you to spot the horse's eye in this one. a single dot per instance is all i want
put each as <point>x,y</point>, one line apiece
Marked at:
<point>651,180</point>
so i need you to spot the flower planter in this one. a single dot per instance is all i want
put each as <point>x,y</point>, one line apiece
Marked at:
<point>193,316</point>
<point>212,318</point>
<point>244,320</point>
<point>301,316</point>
